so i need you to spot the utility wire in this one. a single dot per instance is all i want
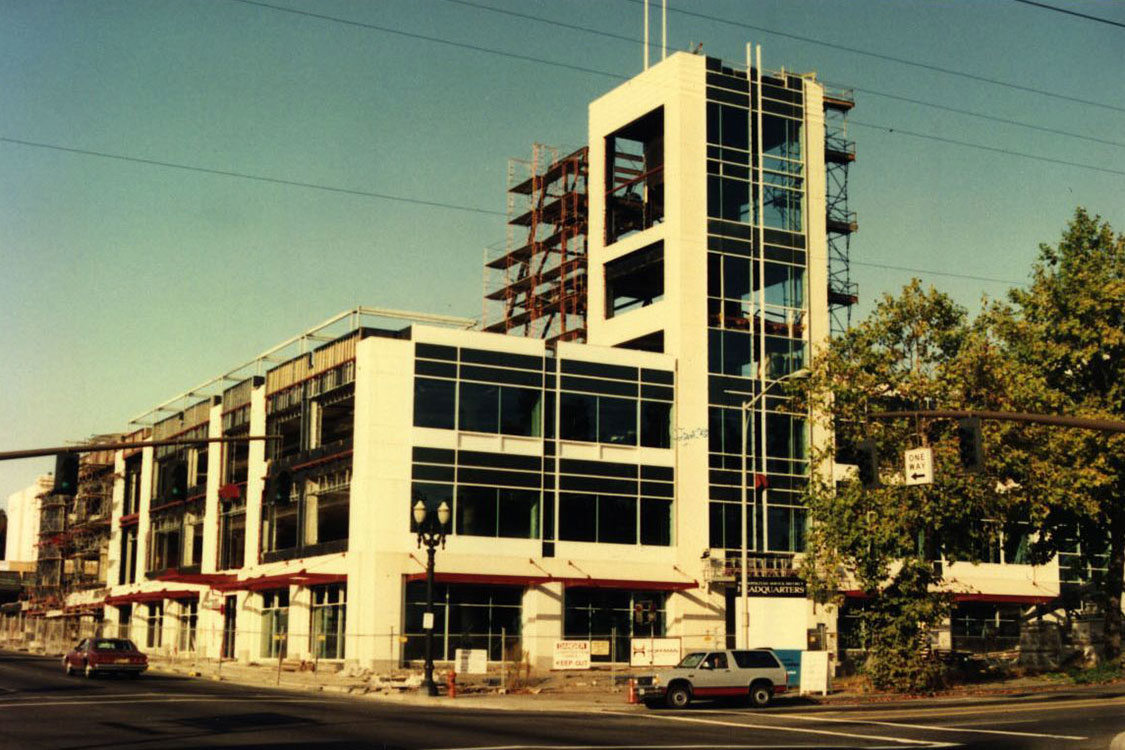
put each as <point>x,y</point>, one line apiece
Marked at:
<point>381,196</point>
<point>1071,13</point>
<point>984,116</point>
<point>423,37</point>
<point>982,147</point>
<point>939,273</point>
<point>621,77</point>
<point>891,58</point>
<point>248,176</point>
<point>873,92</point>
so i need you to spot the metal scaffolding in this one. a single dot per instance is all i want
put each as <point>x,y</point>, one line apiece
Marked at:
<point>839,153</point>
<point>74,533</point>
<point>538,280</point>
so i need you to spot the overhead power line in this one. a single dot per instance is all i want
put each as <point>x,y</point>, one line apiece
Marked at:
<point>892,58</point>
<point>873,92</point>
<point>382,196</point>
<point>248,176</point>
<point>931,272</point>
<point>1072,13</point>
<point>528,58</point>
<point>993,149</point>
<point>423,37</point>
<point>983,116</point>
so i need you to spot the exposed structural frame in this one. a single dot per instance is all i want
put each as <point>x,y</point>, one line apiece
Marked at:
<point>540,277</point>
<point>331,329</point>
<point>839,153</point>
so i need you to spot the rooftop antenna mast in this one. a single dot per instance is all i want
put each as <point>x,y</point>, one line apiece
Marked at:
<point>645,50</point>
<point>663,31</point>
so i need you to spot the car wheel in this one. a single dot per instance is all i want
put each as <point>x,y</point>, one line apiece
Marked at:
<point>678,696</point>
<point>134,675</point>
<point>89,671</point>
<point>67,668</point>
<point>760,694</point>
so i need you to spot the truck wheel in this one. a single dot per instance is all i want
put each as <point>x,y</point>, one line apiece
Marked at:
<point>761,693</point>
<point>678,697</point>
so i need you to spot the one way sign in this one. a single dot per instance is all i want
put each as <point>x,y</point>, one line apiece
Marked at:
<point>919,466</point>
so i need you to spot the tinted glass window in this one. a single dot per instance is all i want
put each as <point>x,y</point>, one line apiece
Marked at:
<point>578,417</point>
<point>617,420</point>
<point>476,511</point>
<point>519,411</point>
<point>656,424</point>
<point>578,520</point>
<point>656,522</point>
<point>755,659</point>
<point>480,407</point>
<point>434,403</point>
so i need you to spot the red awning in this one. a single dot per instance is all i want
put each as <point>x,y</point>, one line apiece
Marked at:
<point>209,579</point>
<point>487,579</point>
<point>282,580</point>
<point>991,598</point>
<point>151,596</point>
<point>1004,598</point>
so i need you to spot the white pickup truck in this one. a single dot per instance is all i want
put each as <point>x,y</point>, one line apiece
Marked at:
<point>756,674</point>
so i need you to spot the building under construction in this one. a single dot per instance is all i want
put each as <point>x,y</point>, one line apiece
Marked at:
<point>538,282</point>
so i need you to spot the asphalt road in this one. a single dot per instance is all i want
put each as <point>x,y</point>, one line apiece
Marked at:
<point>42,708</point>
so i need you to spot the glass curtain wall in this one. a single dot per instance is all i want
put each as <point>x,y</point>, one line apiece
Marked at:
<point>756,306</point>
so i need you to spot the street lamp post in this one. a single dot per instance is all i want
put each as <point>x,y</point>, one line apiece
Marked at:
<point>431,532</point>
<point>747,409</point>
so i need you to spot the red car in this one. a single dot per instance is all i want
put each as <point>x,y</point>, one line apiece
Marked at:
<point>105,655</point>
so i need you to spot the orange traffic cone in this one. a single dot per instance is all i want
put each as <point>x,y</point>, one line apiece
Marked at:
<point>632,696</point>
<point>452,684</point>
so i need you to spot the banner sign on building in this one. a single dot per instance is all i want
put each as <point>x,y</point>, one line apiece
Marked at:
<point>776,586</point>
<point>571,655</point>
<point>471,661</point>
<point>654,652</point>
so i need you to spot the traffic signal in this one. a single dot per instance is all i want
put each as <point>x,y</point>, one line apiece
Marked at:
<point>279,487</point>
<point>177,482</point>
<point>66,474</point>
<point>969,444</point>
<point>867,459</point>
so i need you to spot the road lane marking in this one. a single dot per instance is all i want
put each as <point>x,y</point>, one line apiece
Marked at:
<point>650,746</point>
<point>182,699</point>
<point>850,735</point>
<point>926,727</point>
<point>1039,705</point>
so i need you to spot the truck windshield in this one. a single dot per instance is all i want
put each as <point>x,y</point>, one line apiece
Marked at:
<point>691,661</point>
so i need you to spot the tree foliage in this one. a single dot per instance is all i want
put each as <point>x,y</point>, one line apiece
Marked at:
<point>1068,328</point>
<point>1057,346</point>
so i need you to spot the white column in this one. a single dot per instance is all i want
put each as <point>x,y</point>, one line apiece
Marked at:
<point>256,474</point>
<point>147,464</point>
<point>116,507</point>
<point>210,559</point>
<point>542,622</point>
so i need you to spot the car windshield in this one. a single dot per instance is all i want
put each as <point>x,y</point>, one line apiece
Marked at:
<point>691,661</point>
<point>113,644</point>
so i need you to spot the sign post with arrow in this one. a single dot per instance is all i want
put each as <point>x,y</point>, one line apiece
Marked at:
<point>919,466</point>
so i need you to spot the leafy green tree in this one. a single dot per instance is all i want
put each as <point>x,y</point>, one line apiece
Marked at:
<point>1065,334</point>
<point>915,351</point>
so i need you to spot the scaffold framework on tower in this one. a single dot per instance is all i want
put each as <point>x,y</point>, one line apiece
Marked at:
<point>839,153</point>
<point>536,285</point>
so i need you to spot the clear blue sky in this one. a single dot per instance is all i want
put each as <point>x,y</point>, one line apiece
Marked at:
<point>124,283</point>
